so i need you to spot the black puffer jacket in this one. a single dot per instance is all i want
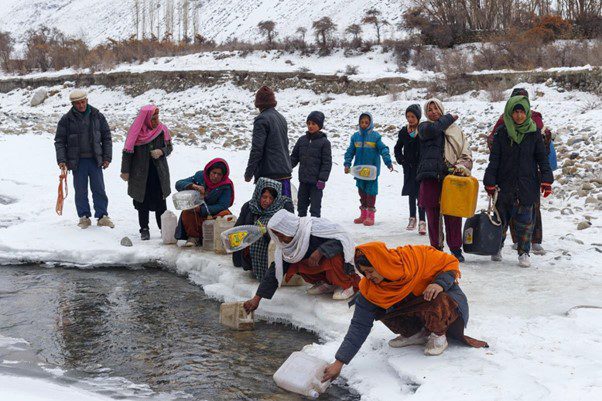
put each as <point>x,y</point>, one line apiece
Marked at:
<point>407,154</point>
<point>432,145</point>
<point>313,154</point>
<point>514,167</point>
<point>68,133</point>
<point>269,155</point>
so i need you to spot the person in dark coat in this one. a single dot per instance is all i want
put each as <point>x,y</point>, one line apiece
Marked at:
<point>443,150</point>
<point>518,154</point>
<point>269,156</point>
<point>413,291</point>
<point>144,166</point>
<point>83,144</point>
<point>267,199</point>
<point>313,154</point>
<point>214,184</point>
<point>407,154</point>
<point>537,237</point>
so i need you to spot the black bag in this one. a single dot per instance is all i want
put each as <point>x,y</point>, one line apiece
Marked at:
<point>482,233</point>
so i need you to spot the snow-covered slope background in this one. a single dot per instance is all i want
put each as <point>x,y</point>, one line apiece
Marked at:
<point>218,19</point>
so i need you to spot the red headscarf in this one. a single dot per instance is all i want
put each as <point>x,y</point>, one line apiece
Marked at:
<point>209,186</point>
<point>408,269</point>
<point>142,132</point>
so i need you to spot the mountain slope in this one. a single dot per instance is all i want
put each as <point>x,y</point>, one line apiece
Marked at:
<point>219,20</point>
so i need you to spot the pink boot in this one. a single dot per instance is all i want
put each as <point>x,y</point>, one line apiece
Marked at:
<point>369,218</point>
<point>363,215</point>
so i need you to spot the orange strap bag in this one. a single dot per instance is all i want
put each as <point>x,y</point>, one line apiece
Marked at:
<point>62,192</point>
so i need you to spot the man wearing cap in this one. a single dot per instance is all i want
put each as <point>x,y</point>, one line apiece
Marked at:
<point>83,144</point>
<point>269,157</point>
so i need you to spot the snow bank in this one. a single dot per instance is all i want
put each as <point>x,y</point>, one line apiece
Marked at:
<point>536,351</point>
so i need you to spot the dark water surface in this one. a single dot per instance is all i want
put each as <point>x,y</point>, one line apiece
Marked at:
<point>147,326</point>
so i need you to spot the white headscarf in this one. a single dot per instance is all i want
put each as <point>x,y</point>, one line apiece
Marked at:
<point>301,228</point>
<point>456,146</point>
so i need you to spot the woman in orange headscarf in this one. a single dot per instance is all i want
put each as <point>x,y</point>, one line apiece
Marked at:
<point>413,290</point>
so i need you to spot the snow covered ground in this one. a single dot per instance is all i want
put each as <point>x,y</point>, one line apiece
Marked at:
<point>541,346</point>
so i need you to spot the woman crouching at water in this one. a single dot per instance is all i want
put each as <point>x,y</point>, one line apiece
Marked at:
<point>318,250</point>
<point>413,290</point>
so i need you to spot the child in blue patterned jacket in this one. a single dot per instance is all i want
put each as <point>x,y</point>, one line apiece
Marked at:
<point>367,148</point>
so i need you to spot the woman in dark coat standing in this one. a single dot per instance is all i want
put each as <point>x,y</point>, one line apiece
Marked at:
<point>144,166</point>
<point>407,154</point>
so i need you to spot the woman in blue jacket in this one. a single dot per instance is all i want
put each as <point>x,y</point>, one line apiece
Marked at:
<point>215,186</point>
<point>367,148</point>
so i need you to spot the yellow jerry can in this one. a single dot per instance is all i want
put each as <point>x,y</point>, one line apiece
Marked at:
<point>459,196</point>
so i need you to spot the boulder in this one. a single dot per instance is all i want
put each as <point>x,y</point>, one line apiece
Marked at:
<point>38,97</point>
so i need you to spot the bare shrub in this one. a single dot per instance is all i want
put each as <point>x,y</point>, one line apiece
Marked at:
<point>351,70</point>
<point>495,90</point>
<point>426,58</point>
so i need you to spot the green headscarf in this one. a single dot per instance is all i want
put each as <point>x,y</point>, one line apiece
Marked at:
<point>517,132</point>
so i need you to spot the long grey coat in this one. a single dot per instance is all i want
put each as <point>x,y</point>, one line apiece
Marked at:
<point>136,165</point>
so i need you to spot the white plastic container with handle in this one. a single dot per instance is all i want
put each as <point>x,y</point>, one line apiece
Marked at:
<point>302,374</point>
<point>366,172</point>
<point>187,199</point>
<point>169,222</point>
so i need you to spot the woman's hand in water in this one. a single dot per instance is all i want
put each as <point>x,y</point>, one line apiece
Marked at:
<point>314,259</point>
<point>252,304</point>
<point>431,291</point>
<point>332,371</point>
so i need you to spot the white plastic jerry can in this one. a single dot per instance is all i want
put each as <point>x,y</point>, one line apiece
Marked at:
<point>302,374</point>
<point>187,199</point>
<point>169,222</point>
<point>240,237</point>
<point>233,315</point>
<point>208,228</point>
<point>364,172</point>
<point>222,224</point>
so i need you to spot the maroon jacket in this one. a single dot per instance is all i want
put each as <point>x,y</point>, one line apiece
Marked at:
<point>536,117</point>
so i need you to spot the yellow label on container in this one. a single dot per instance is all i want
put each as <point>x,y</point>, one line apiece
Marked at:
<point>237,238</point>
<point>364,172</point>
<point>468,237</point>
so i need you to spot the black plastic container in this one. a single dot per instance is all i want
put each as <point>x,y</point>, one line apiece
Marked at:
<point>481,236</point>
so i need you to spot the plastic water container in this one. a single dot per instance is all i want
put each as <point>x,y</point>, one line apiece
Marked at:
<point>188,199</point>
<point>364,172</point>
<point>208,233</point>
<point>240,237</point>
<point>302,374</point>
<point>222,223</point>
<point>459,196</point>
<point>294,195</point>
<point>169,222</point>
<point>233,315</point>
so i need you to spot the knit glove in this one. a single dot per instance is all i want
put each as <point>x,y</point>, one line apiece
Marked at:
<point>546,189</point>
<point>461,170</point>
<point>320,185</point>
<point>490,189</point>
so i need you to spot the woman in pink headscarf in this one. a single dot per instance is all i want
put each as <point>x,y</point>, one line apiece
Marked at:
<point>144,166</point>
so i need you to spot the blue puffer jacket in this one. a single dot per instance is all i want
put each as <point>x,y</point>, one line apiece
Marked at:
<point>367,147</point>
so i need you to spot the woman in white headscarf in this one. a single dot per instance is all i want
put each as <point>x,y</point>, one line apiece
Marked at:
<point>318,250</point>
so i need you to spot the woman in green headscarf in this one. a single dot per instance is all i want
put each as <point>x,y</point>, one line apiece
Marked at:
<point>517,153</point>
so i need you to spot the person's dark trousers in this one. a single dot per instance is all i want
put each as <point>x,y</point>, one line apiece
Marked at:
<point>522,219</point>
<point>309,196</point>
<point>367,201</point>
<point>537,236</point>
<point>143,217</point>
<point>88,170</point>
<point>421,212</point>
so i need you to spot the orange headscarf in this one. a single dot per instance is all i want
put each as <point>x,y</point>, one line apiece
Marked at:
<point>409,269</point>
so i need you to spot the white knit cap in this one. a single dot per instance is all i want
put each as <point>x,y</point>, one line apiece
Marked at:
<point>78,94</point>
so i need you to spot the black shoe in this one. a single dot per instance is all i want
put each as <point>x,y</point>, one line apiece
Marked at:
<point>458,254</point>
<point>144,234</point>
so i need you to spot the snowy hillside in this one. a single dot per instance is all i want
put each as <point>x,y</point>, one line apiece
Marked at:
<point>218,20</point>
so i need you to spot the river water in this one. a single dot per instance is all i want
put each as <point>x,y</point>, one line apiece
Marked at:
<point>142,333</point>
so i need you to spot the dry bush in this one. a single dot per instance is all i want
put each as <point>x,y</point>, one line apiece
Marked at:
<point>495,90</point>
<point>426,58</point>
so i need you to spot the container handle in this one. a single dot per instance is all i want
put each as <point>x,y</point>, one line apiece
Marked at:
<point>492,210</point>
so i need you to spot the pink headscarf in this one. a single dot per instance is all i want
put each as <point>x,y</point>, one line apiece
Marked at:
<point>141,132</point>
